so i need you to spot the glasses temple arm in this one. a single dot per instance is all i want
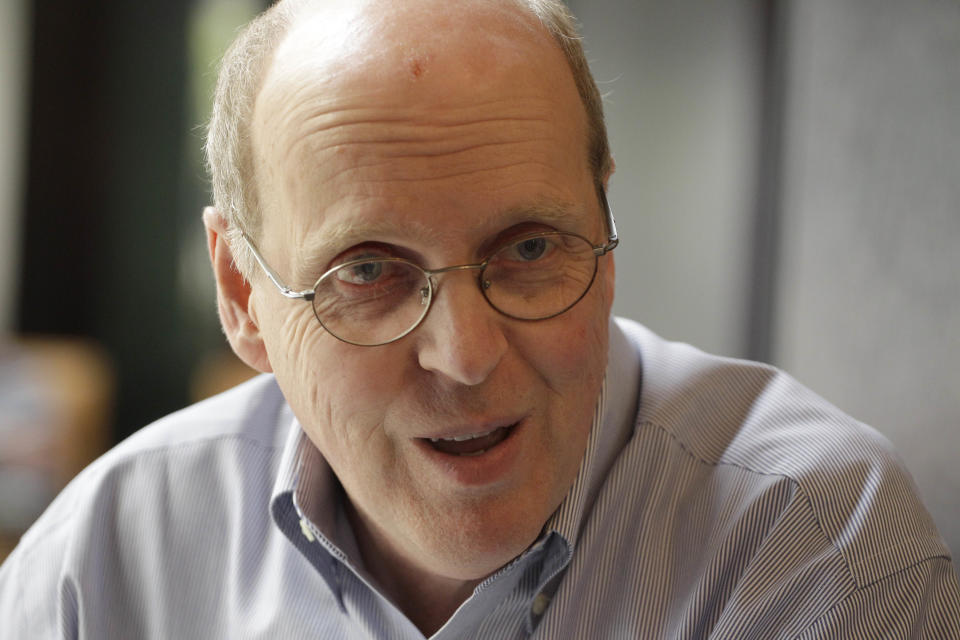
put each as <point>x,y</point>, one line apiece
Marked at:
<point>274,277</point>
<point>612,239</point>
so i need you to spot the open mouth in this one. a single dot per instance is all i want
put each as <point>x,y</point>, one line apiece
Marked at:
<point>471,445</point>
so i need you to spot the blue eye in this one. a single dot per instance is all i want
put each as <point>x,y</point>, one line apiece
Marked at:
<point>532,248</point>
<point>361,273</point>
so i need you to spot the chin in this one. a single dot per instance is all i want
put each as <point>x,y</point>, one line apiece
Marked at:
<point>477,542</point>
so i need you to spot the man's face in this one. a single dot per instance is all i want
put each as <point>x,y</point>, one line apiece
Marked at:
<point>438,153</point>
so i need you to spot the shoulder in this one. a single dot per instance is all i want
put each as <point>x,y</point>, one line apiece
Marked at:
<point>785,515</point>
<point>207,451</point>
<point>159,508</point>
<point>730,413</point>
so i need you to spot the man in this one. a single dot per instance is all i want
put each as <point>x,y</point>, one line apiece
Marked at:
<point>456,441</point>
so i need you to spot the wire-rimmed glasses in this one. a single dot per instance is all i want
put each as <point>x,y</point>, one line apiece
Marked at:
<point>372,301</point>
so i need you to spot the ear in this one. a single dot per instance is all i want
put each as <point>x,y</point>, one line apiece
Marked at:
<point>233,296</point>
<point>606,178</point>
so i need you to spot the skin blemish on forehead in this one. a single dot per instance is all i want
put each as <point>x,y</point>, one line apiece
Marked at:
<point>416,67</point>
<point>418,63</point>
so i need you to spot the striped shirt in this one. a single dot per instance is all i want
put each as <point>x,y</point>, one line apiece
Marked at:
<point>717,499</point>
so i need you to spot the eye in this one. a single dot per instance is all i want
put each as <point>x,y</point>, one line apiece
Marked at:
<point>361,272</point>
<point>531,248</point>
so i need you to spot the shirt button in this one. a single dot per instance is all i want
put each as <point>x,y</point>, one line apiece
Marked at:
<point>540,604</point>
<point>305,530</point>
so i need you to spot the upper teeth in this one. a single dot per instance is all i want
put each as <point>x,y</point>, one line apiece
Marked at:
<point>462,438</point>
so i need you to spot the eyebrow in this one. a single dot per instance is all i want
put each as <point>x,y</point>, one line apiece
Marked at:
<point>343,235</point>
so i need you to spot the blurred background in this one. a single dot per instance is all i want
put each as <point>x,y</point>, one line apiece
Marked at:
<point>787,189</point>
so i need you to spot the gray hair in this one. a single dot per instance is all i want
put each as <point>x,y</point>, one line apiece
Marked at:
<point>229,146</point>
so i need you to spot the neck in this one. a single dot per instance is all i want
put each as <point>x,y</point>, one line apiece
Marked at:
<point>427,599</point>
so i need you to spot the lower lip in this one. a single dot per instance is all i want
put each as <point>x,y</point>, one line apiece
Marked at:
<point>491,466</point>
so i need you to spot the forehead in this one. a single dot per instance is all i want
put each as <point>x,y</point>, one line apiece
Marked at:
<point>365,115</point>
<point>380,37</point>
<point>401,55</point>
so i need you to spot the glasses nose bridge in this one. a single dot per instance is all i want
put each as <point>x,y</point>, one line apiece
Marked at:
<point>432,273</point>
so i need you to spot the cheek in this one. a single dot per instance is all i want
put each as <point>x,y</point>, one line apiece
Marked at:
<point>572,353</point>
<point>573,373</point>
<point>290,339</point>
<point>304,363</point>
<point>340,393</point>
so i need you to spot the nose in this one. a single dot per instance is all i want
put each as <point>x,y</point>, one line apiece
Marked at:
<point>462,337</point>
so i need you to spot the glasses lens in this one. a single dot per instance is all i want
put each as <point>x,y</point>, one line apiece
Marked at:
<point>370,302</point>
<point>540,276</point>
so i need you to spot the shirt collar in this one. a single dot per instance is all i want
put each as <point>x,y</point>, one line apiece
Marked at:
<point>306,505</point>
<point>307,480</point>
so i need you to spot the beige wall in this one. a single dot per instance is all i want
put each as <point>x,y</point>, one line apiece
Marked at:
<point>869,295</point>
<point>682,109</point>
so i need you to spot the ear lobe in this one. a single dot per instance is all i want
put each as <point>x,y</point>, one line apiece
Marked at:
<point>233,296</point>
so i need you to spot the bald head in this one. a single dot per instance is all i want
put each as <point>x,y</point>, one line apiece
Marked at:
<point>381,39</point>
<point>329,40</point>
